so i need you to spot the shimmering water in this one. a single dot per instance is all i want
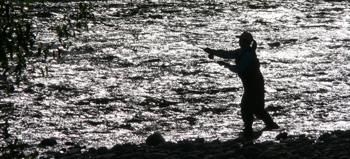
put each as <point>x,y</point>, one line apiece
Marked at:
<point>141,69</point>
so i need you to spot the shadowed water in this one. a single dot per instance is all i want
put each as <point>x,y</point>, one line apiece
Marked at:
<point>141,69</point>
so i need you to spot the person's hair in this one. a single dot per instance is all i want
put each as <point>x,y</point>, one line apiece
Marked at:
<point>254,45</point>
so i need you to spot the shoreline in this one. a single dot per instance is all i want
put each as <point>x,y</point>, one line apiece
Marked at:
<point>333,144</point>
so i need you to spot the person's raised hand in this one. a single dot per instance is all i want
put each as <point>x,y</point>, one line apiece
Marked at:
<point>210,52</point>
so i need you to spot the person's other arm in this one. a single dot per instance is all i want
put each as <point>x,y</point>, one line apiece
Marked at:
<point>242,63</point>
<point>222,53</point>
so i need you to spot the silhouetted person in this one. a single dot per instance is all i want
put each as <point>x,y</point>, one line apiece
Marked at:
<point>248,69</point>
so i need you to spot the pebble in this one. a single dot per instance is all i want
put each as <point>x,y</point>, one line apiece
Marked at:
<point>345,134</point>
<point>282,136</point>
<point>48,142</point>
<point>157,155</point>
<point>102,150</point>
<point>74,151</point>
<point>155,139</point>
<point>329,145</point>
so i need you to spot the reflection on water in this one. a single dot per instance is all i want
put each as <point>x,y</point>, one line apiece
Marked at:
<point>141,69</point>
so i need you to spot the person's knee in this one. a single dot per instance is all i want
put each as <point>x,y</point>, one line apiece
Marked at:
<point>260,113</point>
<point>247,115</point>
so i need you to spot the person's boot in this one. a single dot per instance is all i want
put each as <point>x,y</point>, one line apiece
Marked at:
<point>271,126</point>
<point>248,133</point>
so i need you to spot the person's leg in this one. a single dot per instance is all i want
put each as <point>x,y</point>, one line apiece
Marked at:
<point>247,116</point>
<point>261,113</point>
<point>265,116</point>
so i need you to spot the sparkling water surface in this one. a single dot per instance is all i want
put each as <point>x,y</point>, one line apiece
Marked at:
<point>141,69</point>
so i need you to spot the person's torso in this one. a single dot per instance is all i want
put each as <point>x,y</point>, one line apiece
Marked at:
<point>251,75</point>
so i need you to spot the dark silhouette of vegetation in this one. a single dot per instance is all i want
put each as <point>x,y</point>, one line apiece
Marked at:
<point>20,49</point>
<point>17,42</point>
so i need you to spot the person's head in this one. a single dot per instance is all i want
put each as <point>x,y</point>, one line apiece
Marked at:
<point>245,39</point>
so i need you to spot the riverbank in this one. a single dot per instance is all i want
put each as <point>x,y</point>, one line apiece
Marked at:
<point>329,145</point>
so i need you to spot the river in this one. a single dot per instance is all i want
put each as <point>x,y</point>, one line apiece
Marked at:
<point>141,69</point>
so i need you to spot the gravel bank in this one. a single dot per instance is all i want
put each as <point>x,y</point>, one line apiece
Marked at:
<point>334,144</point>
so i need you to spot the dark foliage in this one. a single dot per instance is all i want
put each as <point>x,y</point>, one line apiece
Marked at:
<point>20,48</point>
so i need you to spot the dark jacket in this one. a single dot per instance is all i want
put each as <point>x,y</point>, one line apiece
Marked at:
<point>247,66</point>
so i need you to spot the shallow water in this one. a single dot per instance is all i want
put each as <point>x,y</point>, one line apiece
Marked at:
<point>141,69</point>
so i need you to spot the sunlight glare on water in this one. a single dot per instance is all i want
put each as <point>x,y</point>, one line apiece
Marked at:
<point>134,74</point>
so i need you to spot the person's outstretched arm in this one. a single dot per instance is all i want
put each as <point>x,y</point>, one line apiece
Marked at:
<point>241,65</point>
<point>221,53</point>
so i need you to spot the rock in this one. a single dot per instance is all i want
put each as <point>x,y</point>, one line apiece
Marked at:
<point>324,136</point>
<point>274,44</point>
<point>64,150</point>
<point>69,144</point>
<point>240,151</point>
<point>345,134</point>
<point>294,157</point>
<point>329,145</point>
<point>117,147</point>
<point>167,146</point>
<point>92,150</point>
<point>201,154</point>
<point>129,151</point>
<point>102,150</point>
<point>190,157</point>
<point>48,142</point>
<point>216,142</point>
<point>282,136</point>
<point>155,139</point>
<point>73,156</point>
<point>227,154</point>
<point>249,143</point>
<point>108,156</point>
<point>79,147</point>
<point>157,155</point>
<point>337,132</point>
<point>232,144</point>
<point>199,140</point>
<point>187,146</point>
<point>74,151</point>
<point>252,152</point>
